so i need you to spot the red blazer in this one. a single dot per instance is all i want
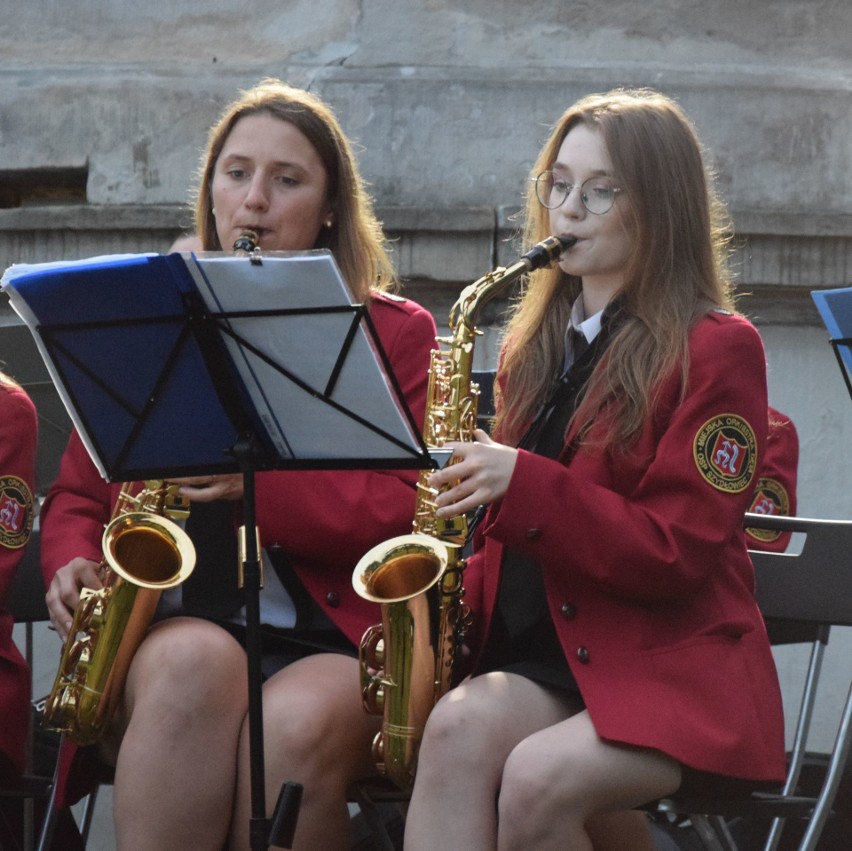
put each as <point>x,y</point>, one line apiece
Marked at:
<point>645,565</point>
<point>324,520</point>
<point>776,488</point>
<point>18,438</point>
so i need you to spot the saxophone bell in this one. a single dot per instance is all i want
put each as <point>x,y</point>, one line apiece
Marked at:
<point>148,550</point>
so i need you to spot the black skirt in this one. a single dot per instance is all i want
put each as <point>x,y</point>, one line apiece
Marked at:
<point>522,639</point>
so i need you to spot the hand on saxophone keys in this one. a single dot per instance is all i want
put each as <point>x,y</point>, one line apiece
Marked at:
<point>63,594</point>
<point>479,474</point>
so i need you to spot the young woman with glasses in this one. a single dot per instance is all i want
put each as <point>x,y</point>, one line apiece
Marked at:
<point>622,654</point>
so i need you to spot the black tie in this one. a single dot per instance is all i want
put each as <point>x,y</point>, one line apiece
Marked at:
<point>579,344</point>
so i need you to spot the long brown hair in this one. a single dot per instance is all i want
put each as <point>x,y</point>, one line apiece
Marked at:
<point>677,270</point>
<point>355,236</point>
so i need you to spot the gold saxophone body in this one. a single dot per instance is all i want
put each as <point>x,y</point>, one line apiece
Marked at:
<point>408,661</point>
<point>144,553</point>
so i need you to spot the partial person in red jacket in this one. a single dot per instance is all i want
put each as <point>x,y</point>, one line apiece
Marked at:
<point>276,163</point>
<point>18,439</point>
<point>623,655</point>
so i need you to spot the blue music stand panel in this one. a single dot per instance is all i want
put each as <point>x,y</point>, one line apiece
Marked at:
<point>835,308</point>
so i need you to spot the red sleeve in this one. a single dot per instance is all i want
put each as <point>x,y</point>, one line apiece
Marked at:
<point>77,507</point>
<point>18,439</point>
<point>658,523</point>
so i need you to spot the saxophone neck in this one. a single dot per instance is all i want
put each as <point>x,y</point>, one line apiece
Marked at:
<point>476,295</point>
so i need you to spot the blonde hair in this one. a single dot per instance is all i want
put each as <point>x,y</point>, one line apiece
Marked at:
<point>676,271</point>
<point>355,237</point>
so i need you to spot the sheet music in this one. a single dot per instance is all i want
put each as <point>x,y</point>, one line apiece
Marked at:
<point>307,346</point>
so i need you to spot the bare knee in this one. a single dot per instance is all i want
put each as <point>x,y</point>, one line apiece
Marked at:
<point>447,728</point>
<point>531,801</point>
<point>303,724</point>
<point>314,726</point>
<point>187,665</point>
<point>450,739</point>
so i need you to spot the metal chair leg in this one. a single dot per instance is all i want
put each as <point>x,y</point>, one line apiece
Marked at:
<point>713,833</point>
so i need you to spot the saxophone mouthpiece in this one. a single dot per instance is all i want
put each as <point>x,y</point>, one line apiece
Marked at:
<point>245,242</point>
<point>546,251</point>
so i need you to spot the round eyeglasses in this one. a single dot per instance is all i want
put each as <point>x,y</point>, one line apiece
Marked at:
<point>596,193</point>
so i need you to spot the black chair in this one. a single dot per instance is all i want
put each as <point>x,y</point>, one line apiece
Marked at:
<point>801,596</point>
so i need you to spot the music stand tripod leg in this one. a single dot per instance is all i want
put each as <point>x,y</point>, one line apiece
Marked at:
<point>280,828</point>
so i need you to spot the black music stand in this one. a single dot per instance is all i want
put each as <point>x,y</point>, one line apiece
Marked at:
<point>265,362</point>
<point>835,308</point>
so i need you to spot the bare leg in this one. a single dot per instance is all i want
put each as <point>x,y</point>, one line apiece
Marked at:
<point>184,704</point>
<point>541,774</point>
<point>469,736</point>
<point>315,733</point>
<point>556,780</point>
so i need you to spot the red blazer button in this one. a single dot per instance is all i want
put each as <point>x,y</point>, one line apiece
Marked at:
<point>569,612</point>
<point>583,655</point>
<point>532,534</point>
<point>333,599</point>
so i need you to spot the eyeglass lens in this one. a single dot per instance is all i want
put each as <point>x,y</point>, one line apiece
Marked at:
<point>596,193</point>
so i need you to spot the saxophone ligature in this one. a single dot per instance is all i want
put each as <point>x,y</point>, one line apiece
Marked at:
<point>248,244</point>
<point>144,553</point>
<point>408,661</point>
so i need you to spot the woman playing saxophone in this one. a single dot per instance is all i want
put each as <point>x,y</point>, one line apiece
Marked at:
<point>624,656</point>
<point>276,164</point>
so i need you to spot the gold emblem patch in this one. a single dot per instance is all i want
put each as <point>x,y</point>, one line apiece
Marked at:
<point>725,453</point>
<point>771,497</point>
<point>16,512</point>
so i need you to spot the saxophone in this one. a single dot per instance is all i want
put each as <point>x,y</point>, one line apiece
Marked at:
<point>144,553</point>
<point>408,661</point>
